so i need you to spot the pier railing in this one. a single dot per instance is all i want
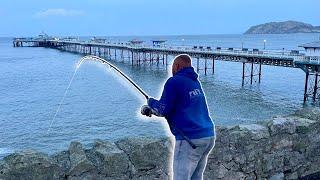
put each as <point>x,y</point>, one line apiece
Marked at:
<point>251,59</point>
<point>294,55</point>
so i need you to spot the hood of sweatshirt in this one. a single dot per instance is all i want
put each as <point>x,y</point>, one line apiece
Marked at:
<point>188,72</point>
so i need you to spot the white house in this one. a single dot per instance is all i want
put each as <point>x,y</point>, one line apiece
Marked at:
<point>312,51</point>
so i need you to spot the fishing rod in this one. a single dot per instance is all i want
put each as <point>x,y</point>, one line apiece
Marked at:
<point>91,57</point>
<point>117,69</point>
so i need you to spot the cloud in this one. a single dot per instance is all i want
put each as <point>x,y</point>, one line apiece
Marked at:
<point>58,12</point>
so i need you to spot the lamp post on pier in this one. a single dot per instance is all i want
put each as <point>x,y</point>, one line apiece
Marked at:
<point>264,44</point>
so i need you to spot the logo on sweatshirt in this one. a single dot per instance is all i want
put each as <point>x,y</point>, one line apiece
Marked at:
<point>194,93</point>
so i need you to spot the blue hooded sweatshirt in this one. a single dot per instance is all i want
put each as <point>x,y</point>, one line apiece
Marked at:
<point>184,106</point>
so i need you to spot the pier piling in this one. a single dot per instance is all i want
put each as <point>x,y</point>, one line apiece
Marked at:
<point>149,55</point>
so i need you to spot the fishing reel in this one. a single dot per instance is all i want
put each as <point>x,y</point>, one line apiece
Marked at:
<point>146,110</point>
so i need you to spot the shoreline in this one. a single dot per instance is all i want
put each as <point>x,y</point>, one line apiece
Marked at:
<point>286,147</point>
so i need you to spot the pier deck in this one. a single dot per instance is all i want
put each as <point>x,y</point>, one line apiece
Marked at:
<point>251,59</point>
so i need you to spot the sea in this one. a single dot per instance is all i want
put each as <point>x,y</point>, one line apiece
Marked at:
<point>101,105</point>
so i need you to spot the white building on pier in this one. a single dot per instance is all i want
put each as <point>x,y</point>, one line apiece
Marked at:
<point>312,51</point>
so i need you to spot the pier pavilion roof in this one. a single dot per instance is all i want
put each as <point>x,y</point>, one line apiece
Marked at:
<point>158,41</point>
<point>315,44</point>
<point>136,41</point>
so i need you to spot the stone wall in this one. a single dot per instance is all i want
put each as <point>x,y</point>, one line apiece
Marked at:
<point>281,148</point>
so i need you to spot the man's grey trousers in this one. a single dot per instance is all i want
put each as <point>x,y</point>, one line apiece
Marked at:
<point>188,163</point>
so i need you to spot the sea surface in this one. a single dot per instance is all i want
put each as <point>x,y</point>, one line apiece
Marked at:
<point>101,105</point>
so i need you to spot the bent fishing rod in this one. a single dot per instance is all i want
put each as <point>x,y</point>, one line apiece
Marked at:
<point>103,61</point>
<point>115,68</point>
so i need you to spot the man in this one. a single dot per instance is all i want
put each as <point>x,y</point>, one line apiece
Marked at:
<point>184,106</point>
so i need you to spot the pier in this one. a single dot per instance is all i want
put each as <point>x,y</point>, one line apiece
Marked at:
<point>137,53</point>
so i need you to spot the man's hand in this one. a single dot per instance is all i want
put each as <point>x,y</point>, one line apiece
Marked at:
<point>146,110</point>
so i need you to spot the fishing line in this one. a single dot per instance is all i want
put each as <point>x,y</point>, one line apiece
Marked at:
<point>62,99</point>
<point>91,57</point>
<point>137,87</point>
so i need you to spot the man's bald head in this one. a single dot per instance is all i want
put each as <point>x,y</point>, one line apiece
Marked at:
<point>179,62</point>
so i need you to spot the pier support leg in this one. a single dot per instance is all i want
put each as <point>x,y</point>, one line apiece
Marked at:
<point>139,58</point>
<point>213,65</point>
<point>251,71</point>
<point>315,87</point>
<point>151,57</point>
<point>251,74</point>
<point>306,87</point>
<point>205,66</point>
<point>122,58</point>
<point>132,58</point>
<point>260,64</point>
<point>197,64</point>
<point>243,72</point>
<point>163,59</point>
<point>166,61</point>
<point>311,83</point>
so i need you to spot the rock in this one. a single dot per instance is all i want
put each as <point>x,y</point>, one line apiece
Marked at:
<point>152,174</point>
<point>62,160</point>
<point>232,175</point>
<point>283,143</point>
<point>312,113</point>
<point>281,125</point>
<point>79,163</point>
<point>279,176</point>
<point>282,148</point>
<point>148,154</point>
<point>303,125</point>
<point>29,165</point>
<point>273,162</point>
<point>110,160</point>
<point>315,176</point>
<point>257,131</point>
<point>291,176</point>
<point>222,171</point>
<point>293,161</point>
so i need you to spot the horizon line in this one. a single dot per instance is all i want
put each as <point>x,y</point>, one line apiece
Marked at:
<point>1,36</point>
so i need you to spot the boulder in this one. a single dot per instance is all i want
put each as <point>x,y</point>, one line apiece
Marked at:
<point>109,160</point>
<point>312,113</point>
<point>281,125</point>
<point>148,155</point>
<point>31,165</point>
<point>279,176</point>
<point>79,163</point>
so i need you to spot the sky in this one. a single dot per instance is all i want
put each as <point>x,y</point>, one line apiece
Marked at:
<point>147,17</point>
